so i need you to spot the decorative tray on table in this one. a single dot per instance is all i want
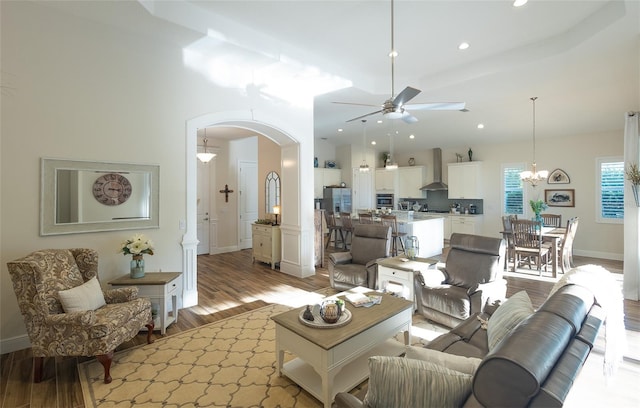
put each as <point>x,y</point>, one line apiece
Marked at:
<point>318,323</point>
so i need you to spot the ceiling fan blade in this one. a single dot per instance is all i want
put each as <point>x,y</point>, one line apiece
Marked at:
<point>437,106</point>
<point>364,116</point>
<point>358,104</point>
<point>408,118</point>
<point>405,96</point>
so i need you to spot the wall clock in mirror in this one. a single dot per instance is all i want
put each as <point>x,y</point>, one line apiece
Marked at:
<point>112,189</point>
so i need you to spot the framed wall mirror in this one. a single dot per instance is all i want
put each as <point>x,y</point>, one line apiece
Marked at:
<point>85,196</point>
<point>272,191</point>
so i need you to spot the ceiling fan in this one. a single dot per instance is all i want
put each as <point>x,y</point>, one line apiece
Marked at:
<point>396,107</point>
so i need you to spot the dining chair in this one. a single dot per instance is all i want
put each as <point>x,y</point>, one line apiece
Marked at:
<point>527,238</point>
<point>507,235</point>
<point>347,228</point>
<point>396,236</point>
<point>365,218</point>
<point>334,229</point>
<point>551,220</point>
<point>566,248</point>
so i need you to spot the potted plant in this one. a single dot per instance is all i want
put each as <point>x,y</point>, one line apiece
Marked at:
<point>537,206</point>
<point>633,175</point>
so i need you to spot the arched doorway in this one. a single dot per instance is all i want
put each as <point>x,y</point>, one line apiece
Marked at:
<point>297,216</point>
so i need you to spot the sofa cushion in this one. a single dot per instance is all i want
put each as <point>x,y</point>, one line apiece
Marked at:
<point>514,310</point>
<point>87,296</point>
<point>467,365</point>
<point>400,382</point>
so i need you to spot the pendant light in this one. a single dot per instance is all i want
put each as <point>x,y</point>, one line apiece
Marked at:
<point>204,156</point>
<point>534,176</point>
<point>391,164</point>
<point>364,167</point>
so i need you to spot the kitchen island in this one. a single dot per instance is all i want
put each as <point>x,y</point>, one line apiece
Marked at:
<point>429,228</point>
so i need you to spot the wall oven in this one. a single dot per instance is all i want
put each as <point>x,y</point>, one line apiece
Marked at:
<point>384,201</point>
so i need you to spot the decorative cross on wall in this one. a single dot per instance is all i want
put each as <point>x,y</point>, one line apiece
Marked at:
<point>226,192</point>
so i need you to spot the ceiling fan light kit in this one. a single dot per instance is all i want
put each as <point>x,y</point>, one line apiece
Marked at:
<point>396,106</point>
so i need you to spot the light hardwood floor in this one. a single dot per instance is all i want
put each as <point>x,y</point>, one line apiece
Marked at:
<point>228,284</point>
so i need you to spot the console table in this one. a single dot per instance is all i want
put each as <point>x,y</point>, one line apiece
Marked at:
<point>266,243</point>
<point>162,288</point>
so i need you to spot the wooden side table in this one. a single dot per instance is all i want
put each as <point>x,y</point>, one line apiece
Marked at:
<point>160,287</point>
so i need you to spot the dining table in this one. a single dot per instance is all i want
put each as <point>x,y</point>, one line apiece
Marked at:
<point>552,235</point>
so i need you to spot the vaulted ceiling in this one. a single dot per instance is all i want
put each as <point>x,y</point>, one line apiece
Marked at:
<point>580,58</point>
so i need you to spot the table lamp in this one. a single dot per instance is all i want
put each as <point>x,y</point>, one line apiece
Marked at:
<point>276,211</point>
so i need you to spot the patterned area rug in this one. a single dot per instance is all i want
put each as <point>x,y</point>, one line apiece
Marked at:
<point>230,363</point>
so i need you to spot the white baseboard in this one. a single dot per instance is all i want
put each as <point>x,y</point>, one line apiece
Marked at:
<point>598,254</point>
<point>14,344</point>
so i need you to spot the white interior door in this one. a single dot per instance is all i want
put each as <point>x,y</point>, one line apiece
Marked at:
<point>203,207</point>
<point>248,201</point>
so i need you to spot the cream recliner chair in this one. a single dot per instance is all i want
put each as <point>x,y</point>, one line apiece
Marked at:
<point>37,280</point>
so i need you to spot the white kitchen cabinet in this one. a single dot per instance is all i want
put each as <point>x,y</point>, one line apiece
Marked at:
<point>325,177</point>
<point>410,180</point>
<point>266,244</point>
<point>447,227</point>
<point>465,224</point>
<point>465,180</point>
<point>386,180</point>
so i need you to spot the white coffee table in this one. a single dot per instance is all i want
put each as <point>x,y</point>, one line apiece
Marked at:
<point>336,360</point>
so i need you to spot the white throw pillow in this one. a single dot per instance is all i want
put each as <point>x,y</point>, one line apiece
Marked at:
<point>514,310</point>
<point>406,383</point>
<point>467,365</point>
<point>87,296</point>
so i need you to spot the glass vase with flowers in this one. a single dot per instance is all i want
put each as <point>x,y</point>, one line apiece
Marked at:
<point>137,246</point>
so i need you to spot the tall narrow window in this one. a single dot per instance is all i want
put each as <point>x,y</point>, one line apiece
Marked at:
<point>610,186</point>
<point>512,189</point>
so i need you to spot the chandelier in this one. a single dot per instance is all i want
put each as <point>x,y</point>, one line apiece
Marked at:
<point>534,176</point>
<point>364,167</point>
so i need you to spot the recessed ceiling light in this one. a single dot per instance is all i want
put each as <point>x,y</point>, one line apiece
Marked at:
<point>393,53</point>
<point>379,120</point>
<point>373,142</point>
<point>463,46</point>
<point>480,126</point>
<point>412,136</point>
<point>519,3</point>
<point>340,130</point>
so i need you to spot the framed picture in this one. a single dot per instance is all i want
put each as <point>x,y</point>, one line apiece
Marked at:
<point>558,176</point>
<point>560,198</point>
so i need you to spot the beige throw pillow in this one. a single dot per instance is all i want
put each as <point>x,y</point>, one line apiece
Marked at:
<point>406,383</point>
<point>467,365</point>
<point>514,310</point>
<point>87,296</point>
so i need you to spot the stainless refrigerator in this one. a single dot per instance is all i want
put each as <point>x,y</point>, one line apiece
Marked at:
<point>337,199</point>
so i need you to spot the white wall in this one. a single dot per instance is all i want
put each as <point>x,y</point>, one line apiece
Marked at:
<point>79,89</point>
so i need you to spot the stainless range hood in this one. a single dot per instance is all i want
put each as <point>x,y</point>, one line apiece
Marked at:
<point>437,173</point>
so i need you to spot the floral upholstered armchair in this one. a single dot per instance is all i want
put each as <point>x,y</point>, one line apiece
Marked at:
<point>66,313</point>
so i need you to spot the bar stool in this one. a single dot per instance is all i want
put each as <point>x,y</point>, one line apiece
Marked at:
<point>347,227</point>
<point>391,221</point>
<point>333,228</point>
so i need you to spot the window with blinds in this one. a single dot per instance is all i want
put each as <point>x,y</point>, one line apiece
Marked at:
<point>611,190</point>
<point>512,189</point>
